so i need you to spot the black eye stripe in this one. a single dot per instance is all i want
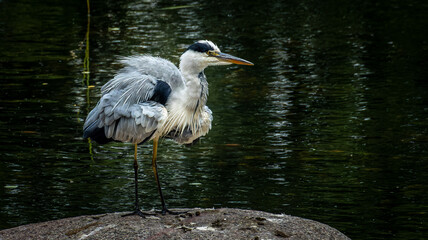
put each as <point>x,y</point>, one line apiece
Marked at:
<point>200,47</point>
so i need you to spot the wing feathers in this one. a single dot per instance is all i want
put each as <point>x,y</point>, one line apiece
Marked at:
<point>127,122</point>
<point>136,123</point>
<point>132,104</point>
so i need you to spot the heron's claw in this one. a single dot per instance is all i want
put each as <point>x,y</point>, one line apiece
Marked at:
<point>138,212</point>
<point>165,211</point>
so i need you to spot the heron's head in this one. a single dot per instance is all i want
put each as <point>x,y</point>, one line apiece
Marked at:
<point>205,53</point>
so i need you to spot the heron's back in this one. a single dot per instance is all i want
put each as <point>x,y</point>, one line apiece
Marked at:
<point>143,66</point>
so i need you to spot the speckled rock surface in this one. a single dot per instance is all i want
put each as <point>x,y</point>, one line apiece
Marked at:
<point>224,223</point>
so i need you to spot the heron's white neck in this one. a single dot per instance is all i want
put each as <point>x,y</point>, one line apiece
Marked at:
<point>191,64</point>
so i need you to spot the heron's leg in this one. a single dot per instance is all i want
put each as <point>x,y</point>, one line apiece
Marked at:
<point>137,206</point>
<point>155,170</point>
<point>137,210</point>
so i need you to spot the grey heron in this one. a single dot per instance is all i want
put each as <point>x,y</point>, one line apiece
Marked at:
<point>150,98</point>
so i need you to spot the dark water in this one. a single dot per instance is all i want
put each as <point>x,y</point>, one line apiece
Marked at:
<point>330,124</point>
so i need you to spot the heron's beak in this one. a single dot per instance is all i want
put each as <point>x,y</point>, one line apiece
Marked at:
<point>231,59</point>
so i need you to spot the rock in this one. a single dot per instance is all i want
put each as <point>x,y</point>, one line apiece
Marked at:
<point>224,223</point>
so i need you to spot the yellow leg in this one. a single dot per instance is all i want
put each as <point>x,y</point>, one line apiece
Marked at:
<point>135,152</point>
<point>155,171</point>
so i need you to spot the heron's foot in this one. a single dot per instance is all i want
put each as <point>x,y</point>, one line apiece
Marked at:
<point>138,212</point>
<point>165,211</point>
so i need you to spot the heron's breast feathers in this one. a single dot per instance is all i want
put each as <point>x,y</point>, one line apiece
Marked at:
<point>187,126</point>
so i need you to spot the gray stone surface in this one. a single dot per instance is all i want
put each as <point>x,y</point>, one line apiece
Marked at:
<point>224,223</point>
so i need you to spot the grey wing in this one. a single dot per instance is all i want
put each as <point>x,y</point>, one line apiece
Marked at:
<point>131,107</point>
<point>157,68</point>
<point>135,123</point>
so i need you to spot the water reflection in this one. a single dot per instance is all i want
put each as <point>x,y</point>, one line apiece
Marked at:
<point>330,124</point>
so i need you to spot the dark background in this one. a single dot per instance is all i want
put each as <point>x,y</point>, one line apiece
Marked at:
<point>330,124</point>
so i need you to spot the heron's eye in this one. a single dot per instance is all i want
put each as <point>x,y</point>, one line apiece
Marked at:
<point>212,53</point>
